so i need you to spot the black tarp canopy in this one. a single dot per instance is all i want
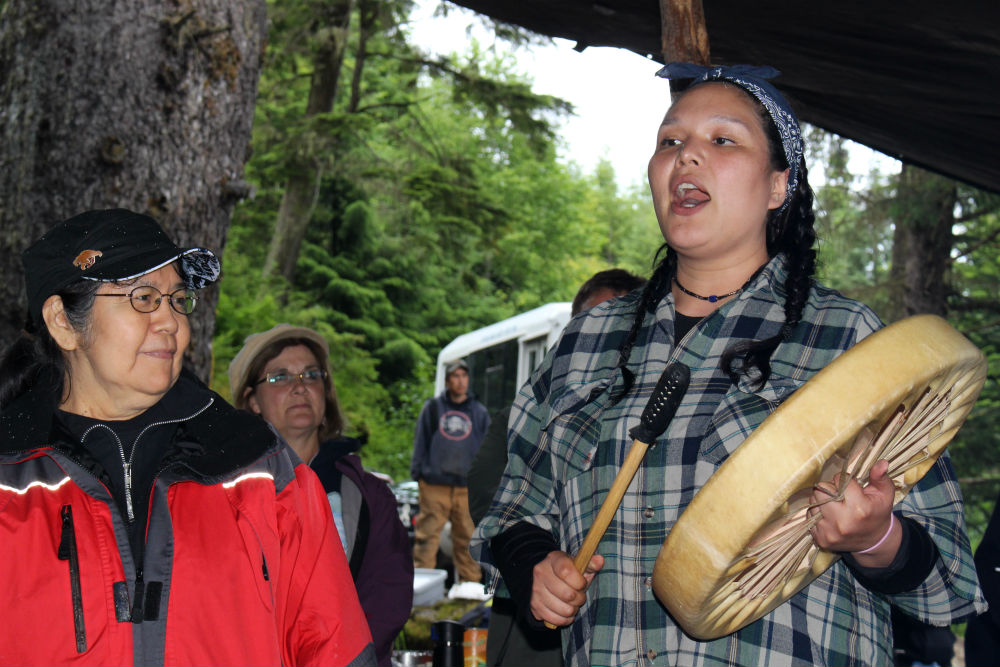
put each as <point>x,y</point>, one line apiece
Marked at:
<point>915,79</point>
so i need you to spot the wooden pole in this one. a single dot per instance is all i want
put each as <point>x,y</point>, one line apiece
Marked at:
<point>684,35</point>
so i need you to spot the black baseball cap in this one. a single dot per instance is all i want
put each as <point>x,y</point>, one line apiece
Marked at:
<point>109,245</point>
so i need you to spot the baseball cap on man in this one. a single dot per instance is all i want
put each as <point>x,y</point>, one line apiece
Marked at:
<point>453,366</point>
<point>108,245</point>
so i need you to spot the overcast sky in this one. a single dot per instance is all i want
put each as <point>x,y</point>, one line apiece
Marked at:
<point>618,99</point>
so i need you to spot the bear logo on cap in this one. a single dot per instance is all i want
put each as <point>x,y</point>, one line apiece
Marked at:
<point>86,259</point>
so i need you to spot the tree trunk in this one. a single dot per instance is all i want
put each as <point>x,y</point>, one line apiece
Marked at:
<point>141,104</point>
<point>683,33</point>
<point>922,243</point>
<point>367,13</point>
<point>299,198</point>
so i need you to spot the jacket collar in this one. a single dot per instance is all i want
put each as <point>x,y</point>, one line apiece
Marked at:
<point>212,437</point>
<point>29,419</point>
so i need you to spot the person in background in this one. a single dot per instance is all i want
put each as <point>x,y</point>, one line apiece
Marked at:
<point>448,434</point>
<point>734,298</point>
<point>982,634</point>
<point>915,643</point>
<point>144,520</point>
<point>512,640</point>
<point>283,375</point>
<point>602,286</point>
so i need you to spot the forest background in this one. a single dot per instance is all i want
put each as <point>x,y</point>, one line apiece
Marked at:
<point>393,200</point>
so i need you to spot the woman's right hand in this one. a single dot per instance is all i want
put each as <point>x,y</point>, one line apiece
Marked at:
<point>558,590</point>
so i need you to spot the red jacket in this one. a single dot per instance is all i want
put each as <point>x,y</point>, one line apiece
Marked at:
<point>241,565</point>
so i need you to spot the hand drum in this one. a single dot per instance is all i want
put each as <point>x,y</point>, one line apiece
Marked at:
<point>742,547</point>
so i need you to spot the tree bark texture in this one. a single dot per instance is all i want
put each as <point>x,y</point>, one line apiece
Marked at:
<point>301,190</point>
<point>922,243</point>
<point>683,33</point>
<point>140,104</point>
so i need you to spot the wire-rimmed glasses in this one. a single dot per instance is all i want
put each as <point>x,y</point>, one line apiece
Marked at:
<point>146,299</point>
<point>283,378</point>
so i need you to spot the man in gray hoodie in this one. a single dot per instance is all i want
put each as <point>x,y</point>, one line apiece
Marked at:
<point>449,431</point>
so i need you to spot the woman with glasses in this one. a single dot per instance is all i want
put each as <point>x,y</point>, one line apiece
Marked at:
<point>283,375</point>
<point>144,520</point>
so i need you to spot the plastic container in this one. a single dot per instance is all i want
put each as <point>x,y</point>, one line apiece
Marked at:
<point>428,586</point>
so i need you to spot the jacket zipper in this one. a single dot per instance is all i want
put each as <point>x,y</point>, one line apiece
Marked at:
<point>140,599</point>
<point>127,462</point>
<point>264,571</point>
<point>137,611</point>
<point>263,560</point>
<point>67,551</point>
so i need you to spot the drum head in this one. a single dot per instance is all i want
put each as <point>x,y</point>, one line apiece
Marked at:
<point>742,546</point>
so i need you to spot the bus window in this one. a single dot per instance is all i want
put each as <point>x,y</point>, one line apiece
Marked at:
<point>533,351</point>
<point>493,375</point>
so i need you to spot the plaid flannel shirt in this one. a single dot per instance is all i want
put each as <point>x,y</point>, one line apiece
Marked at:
<point>567,440</point>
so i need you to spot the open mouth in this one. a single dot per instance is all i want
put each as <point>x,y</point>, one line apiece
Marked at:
<point>687,195</point>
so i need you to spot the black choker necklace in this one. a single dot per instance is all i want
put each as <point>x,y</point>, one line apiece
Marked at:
<point>715,297</point>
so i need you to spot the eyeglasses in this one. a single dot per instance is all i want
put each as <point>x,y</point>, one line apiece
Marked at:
<point>146,299</point>
<point>284,378</point>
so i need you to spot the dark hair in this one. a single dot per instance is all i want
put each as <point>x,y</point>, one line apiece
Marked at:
<point>789,231</point>
<point>616,280</point>
<point>333,417</point>
<point>34,358</point>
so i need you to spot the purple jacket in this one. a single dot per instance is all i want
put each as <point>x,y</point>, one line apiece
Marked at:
<point>380,556</point>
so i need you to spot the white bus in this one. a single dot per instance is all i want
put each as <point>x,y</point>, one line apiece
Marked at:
<point>502,356</point>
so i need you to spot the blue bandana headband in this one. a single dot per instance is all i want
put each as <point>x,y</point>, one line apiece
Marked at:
<point>754,81</point>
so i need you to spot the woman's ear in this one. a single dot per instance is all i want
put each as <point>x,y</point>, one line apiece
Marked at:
<point>62,332</point>
<point>779,187</point>
<point>252,402</point>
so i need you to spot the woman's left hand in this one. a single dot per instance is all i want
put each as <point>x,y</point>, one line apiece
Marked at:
<point>861,519</point>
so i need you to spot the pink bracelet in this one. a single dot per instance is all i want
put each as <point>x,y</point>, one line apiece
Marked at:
<point>892,522</point>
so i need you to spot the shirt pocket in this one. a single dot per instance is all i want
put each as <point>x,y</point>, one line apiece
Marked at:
<point>573,432</point>
<point>582,434</point>
<point>739,414</point>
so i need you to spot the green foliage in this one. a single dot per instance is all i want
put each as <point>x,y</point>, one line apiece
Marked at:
<point>855,223</point>
<point>975,310</point>
<point>441,208</point>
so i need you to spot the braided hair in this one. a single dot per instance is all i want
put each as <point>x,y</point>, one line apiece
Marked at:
<point>790,230</point>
